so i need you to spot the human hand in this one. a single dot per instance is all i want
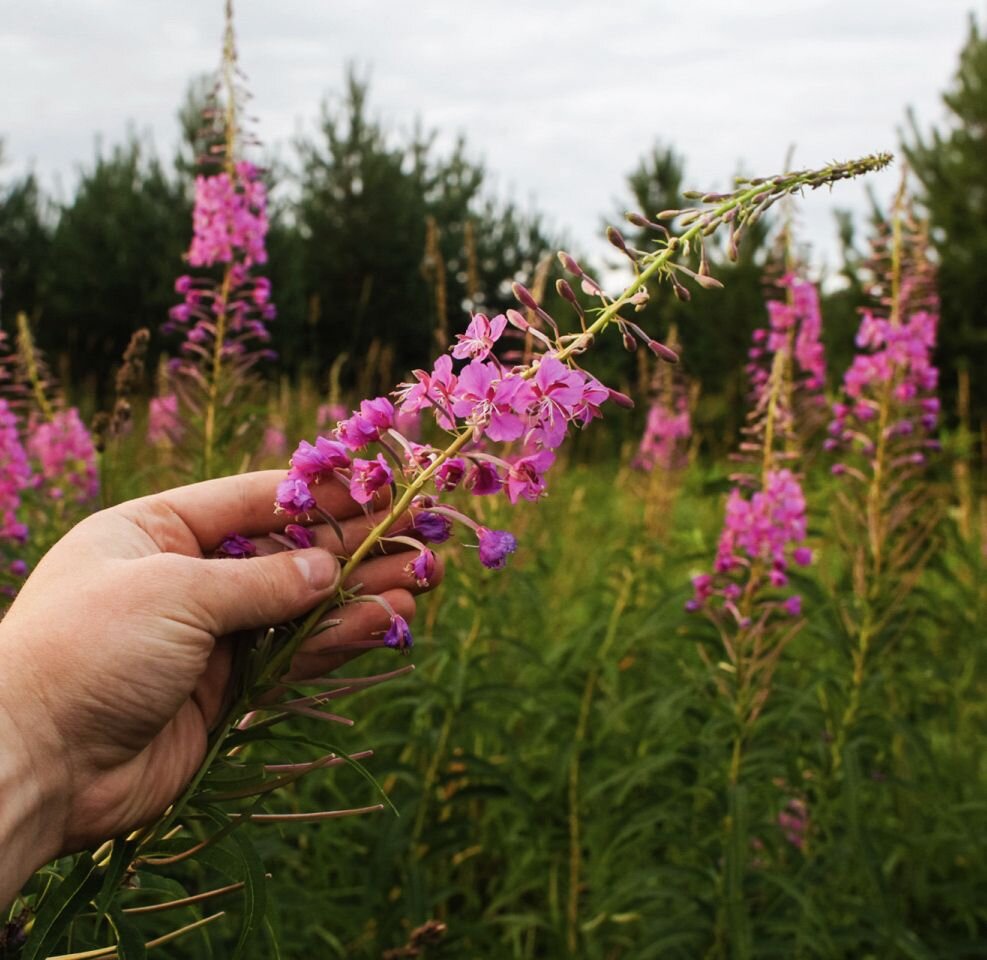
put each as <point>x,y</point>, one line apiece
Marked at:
<point>115,657</point>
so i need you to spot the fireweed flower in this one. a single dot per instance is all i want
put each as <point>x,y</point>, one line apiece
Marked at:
<point>300,536</point>
<point>368,476</point>
<point>667,429</point>
<point>15,475</point>
<point>423,567</point>
<point>794,326</point>
<point>164,424</point>
<point>495,545</point>
<point>225,303</point>
<point>65,456</point>
<point>398,634</point>
<point>762,536</point>
<point>294,496</point>
<point>237,547</point>
<point>432,527</point>
<point>480,336</point>
<point>309,461</point>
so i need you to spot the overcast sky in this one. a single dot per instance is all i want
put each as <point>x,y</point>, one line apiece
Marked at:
<point>559,99</point>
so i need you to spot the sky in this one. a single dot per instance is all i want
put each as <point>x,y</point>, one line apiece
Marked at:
<point>559,100</point>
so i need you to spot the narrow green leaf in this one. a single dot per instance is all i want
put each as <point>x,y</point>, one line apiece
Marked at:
<point>60,908</point>
<point>130,940</point>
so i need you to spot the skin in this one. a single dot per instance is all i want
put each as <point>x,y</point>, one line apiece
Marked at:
<point>115,657</point>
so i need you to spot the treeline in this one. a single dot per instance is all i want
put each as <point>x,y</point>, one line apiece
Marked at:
<point>381,244</point>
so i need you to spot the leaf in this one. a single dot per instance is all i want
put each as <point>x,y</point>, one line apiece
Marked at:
<point>130,940</point>
<point>254,883</point>
<point>60,907</point>
<point>119,861</point>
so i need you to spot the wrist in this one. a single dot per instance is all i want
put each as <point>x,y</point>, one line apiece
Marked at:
<point>32,797</point>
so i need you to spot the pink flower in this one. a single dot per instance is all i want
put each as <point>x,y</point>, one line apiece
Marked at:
<point>495,546</point>
<point>423,567</point>
<point>15,474</point>
<point>480,336</point>
<point>309,462</point>
<point>368,477</point>
<point>435,389</point>
<point>432,527</point>
<point>293,496</point>
<point>484,479</point>
<point>238,547</point>
<point>301,537</point>
<point>398,634</point>
<point>558,391</point>
<point>525,476</point>
<point>66,457</point>
<point>450,473</point>
<point>366,425</point>
<point>491,401</point>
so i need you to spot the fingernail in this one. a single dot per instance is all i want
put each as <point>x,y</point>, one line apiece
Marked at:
<point>319,568</point>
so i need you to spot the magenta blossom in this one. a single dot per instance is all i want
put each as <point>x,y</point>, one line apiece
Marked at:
<point>525,478</point>
<point>480,336</point>
<point>367,424</point>
<point>435,389</point>
<point>15,475</point>
<point>495,546</point>
<point>432,527</point>
<point>398,634</point>
<point>293,496</point>
<point>301,537</point>
<point>492,403</point>
<point>450,474</point>
<point>235,546</point>
<point>422,568</point>
<point>368,477</point>
<point>484,480</point>
<point>65,455</point>
<point>558,392</point>
<point>311,461</point>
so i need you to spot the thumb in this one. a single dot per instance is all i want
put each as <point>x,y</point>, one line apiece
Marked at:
<point>227,595</point>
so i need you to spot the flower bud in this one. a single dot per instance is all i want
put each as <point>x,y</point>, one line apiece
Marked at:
<point>663,352</point>
<point>570,265</point>
<point>621,399</point>
<point>515,319</point>
<point>524,296</point>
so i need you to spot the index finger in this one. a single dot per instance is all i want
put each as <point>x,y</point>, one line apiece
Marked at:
<point>244,504</point>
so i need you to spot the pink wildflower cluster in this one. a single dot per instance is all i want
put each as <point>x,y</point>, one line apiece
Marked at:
<point>65,456</point>
<point>762,536</point>
<point>666,432</point>
<point>229,228</point>
<point>795,325</point>
<point>164,424</point>
<point>531,408</point>
<point>15,475</point>
<point>895,364</point>
<point>230,218</point>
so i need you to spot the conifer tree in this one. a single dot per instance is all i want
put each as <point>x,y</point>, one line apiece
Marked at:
<point>951,166</point>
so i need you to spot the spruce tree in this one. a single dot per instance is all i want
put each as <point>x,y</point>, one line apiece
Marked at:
<point>951,166</point>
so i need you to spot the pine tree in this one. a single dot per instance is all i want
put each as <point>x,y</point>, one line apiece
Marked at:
<point>25,241</point>
<point>951,166</point>
<point>366,199</point>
